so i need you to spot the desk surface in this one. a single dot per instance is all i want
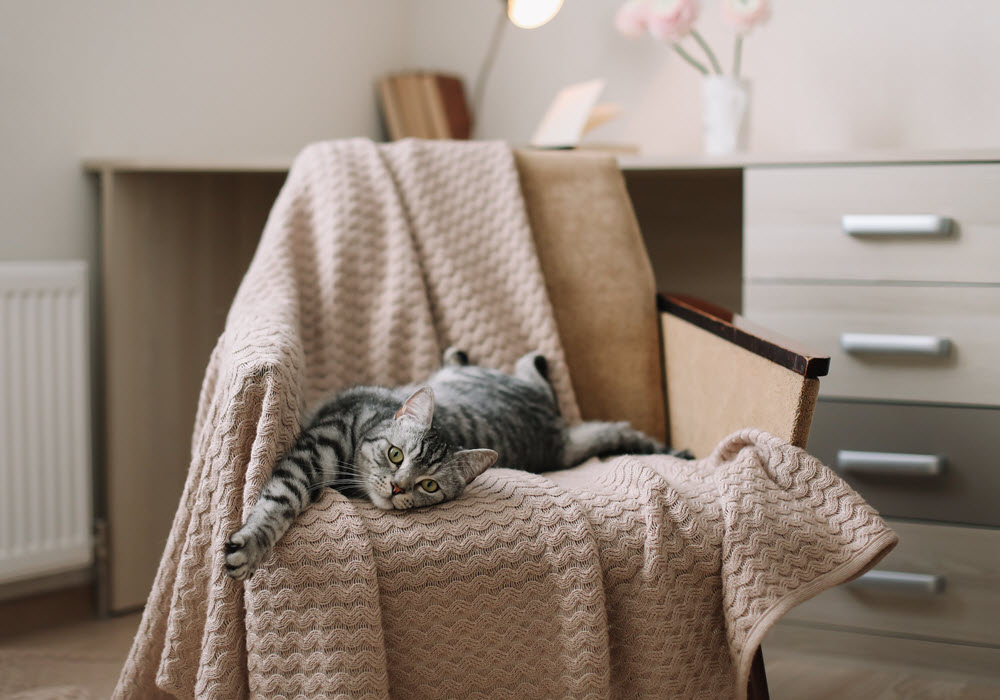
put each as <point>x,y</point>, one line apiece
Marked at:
<point>763,160</point>
<point>628,162</point>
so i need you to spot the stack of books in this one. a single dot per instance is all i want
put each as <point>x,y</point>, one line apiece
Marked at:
<point>424,105</point>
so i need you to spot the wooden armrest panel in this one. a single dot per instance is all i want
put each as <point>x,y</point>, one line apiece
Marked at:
<point>746,334</point>
<point>720,377</point>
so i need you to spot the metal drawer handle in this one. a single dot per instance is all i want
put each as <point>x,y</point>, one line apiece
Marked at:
<point>889,463</point>
<point>886,344</point>
<point>929,225</point>
<point>900,582</point>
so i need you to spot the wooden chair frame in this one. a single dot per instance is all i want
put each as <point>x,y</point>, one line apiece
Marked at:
<point>769,382</point>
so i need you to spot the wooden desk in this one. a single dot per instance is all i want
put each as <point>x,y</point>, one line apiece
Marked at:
<point>176,238</point>
<point>174,244</point>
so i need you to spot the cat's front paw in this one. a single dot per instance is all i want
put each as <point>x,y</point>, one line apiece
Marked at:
<point>242,555</point>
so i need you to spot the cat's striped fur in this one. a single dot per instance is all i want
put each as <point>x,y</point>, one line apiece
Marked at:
<point>407,447</point>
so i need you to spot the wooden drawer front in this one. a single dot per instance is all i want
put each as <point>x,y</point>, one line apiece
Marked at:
<point>966,609</point>
<point>819,315</point>
<point>904,442</point>
<point>846,648</point>
<point>793,223</point>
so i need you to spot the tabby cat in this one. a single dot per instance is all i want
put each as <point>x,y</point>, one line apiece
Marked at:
<point>406,447</point>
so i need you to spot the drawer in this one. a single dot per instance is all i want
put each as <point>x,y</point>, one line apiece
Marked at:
<point>966,608</point>
<point>793,223</point>
<point>819,315</point>
<point>846,648</point>
<point>889,453</point>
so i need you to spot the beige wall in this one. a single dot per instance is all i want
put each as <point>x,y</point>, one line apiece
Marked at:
<point>223,79</point>
<point>256,79</point>
<point>827,76</point>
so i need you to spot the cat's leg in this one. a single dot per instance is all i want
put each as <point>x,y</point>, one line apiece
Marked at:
<point>533,367</point>
<point>600,439</point>
<point>454,357</point>
<point>285,495</point>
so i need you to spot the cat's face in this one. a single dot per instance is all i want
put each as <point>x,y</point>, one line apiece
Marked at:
<point>404,464</point>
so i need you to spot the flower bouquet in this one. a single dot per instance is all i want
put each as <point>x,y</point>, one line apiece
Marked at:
<point>726,97</point>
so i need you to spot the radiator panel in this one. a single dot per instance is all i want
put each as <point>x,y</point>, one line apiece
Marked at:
<point>46,497</point>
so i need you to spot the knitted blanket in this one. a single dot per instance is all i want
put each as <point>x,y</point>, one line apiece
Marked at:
<point>649,576</point>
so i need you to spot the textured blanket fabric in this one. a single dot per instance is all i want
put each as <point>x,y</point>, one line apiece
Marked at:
<point>641,577</point>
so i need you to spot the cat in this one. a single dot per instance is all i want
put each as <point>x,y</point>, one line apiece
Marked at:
<point>410,447</point>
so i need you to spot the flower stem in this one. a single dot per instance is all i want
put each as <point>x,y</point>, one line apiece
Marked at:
<point>708,51</point>
<point>690,59</point>
<point>737,54</point>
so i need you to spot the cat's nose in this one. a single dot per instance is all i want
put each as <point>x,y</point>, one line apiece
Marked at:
<point>396,488</point>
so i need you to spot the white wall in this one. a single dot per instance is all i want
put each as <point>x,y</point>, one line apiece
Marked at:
<point>256,79</point>
<point>827,76</point>
<point>222,79</point>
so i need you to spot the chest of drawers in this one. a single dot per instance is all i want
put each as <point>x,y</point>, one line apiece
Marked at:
<point>894,271</point>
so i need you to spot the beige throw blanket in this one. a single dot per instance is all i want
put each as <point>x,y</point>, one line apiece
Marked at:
<point>643,577</point>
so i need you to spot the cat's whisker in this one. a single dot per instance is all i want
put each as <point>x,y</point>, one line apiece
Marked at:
<point>359,473</point>
<point>334,482</point>
<point>350,465</point>
<point>322,484</point>
<point>346,465</point>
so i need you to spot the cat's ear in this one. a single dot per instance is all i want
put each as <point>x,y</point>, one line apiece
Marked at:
<point>472,463</point>
<point>419,407</point>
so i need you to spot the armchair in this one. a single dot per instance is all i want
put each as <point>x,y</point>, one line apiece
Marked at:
<point>642,576</point>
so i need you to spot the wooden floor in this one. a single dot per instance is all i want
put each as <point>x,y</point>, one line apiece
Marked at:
<point>89,655</point>
<point>79,660</point>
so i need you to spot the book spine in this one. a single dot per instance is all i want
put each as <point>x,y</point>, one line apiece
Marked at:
<point>435,107</point>
<point>414,113</point>
<point>389,98</point>
<point>456,107</point>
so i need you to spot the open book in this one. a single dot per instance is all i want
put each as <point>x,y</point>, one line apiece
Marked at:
<point>573,113</point>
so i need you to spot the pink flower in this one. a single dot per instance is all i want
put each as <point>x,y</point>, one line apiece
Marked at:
<point>630,20</point>
<point>671,20</point>
<point>743,15</point>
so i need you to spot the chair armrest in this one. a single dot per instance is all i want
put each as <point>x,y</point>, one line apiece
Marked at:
<point>746,334</point>
<point>724,373</point>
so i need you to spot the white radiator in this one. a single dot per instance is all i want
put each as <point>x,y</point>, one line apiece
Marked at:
<point>45,474</point>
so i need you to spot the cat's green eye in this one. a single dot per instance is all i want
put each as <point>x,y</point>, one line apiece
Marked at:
<point>429,485</point>
<point>395,455</point>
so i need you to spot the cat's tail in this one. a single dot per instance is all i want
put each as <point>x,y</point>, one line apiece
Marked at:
<point>602,439</point>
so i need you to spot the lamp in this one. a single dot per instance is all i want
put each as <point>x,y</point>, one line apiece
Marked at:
<point>527,14</point>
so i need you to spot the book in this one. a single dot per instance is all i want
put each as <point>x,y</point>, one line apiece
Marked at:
<point>601,114</point>
<point>390,108</point>
<point>616,148</point>
<point>424,105</point>
<point>435,107</point>
<point>456,108</point>
<point>412,103</point>
<point>573,113</point>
